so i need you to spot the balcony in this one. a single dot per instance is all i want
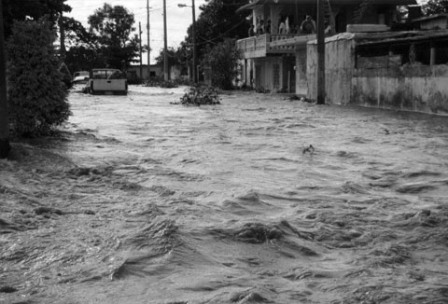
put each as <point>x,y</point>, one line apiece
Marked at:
<point>263,45</point>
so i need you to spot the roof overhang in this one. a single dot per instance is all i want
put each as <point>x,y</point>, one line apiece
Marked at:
<point>250,5</point>
<point>254,3</point>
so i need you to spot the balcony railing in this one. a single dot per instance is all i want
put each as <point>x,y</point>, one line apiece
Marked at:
<point>262,45</point>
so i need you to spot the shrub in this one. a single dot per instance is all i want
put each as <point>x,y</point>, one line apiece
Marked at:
<point>200,95</point>
<point>37,94</point>
<point>223,60</point>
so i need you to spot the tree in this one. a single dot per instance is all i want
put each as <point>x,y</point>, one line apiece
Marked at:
<point>84,58</point>
<point>84,51</point>
<point>112,27</point>
<point>76,34</point>
<point>37,95</point>
<point>21,9</point>
<point>4,117</point>
<point>223,60</point>
<point>217,21</point>
<point>173,57</point>
<point>434,7</point>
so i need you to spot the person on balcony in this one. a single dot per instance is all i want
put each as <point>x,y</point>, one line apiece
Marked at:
<point>268,27</point>
<point>328,29</point>
<point>287,28</point>
<point>262,27</point>
<point>308,26</point>
<point>251,31</point>
<point>282,28</point>
<point>259,27</point>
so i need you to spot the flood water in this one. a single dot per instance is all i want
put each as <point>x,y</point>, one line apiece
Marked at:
<point>143,201</point>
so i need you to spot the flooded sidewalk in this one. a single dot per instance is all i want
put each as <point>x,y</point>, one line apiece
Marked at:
<point>143,201</point>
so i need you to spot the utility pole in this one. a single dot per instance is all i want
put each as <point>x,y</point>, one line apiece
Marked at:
<point>149,48</point>
<point>4,123</point>
<point>165,48</point>
<point>140,48</point>
<point>195,74</point>
<point>320,52</point>
<point>62,49</point>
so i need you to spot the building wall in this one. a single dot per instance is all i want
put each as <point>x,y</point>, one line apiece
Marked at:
<point>301,78</point>
<point>270,74</point>
<point>440,23</point>
<point>156,71</point>
<point>415,87</point>
<point>339,64</point>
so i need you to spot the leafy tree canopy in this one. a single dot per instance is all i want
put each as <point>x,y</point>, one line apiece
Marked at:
<point>173,57</point>
<point>76,34</point>
<point>112,26</point>
<point>21,9</point>
<point>434,7</point>
<point>223,60</point>
<point>217,21</point>
<point>37,94</point>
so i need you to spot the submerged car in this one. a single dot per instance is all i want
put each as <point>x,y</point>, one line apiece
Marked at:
<point>107,81</point>
<point>81,77</point>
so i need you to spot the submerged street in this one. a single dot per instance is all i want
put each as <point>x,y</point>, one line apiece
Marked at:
<point>144,201</point>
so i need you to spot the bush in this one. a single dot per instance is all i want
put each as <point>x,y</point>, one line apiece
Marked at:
<point>37,94</point>
<point>200,95</point>
<point>223,60</point>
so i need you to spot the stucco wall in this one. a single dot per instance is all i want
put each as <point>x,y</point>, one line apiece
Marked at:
<point>415,87</point>
<point>301,80</point>
<point>264,74</point>
<point>339,64</point>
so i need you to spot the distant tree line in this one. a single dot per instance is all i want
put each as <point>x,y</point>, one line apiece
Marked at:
<point>434,7</point>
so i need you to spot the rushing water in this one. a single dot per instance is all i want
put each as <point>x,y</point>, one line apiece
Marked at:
<point>143,201</point>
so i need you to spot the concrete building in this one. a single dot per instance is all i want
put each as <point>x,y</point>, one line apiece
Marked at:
<point>405,70</point>
<point>156,72</point>
<point>435,22</point>
<point>275,60</point>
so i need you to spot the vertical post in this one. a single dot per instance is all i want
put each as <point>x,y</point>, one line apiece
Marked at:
<point>62,49</point>
<point>195,74</point>
<point>320,52</point>
<point>140,48</point>
<point>148,36</point>
<point>4,124</point>
<point>432,60</point>
<point>165,47</point>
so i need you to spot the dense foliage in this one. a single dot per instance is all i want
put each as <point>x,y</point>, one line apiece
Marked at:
<point>200,95</point>
<point>112,27</point>
<point>216,22</point>
<point>434,7</point>
<point>223,60</point>
<point>20,10</point>
<point>37,94</point>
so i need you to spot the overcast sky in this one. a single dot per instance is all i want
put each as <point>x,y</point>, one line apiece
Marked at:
<point>178,19</point>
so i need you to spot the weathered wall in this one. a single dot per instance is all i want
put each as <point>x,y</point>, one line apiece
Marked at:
<point>339,64</point>
<point>301,77</point>
<point>416,87</point>
<point>412,87</point>
<point>271,73</point>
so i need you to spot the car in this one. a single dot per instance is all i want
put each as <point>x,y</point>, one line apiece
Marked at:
<point>107,81</point>
<point>80,77</point>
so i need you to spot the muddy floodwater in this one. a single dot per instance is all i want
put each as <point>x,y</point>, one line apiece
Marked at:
<point>143,201</point>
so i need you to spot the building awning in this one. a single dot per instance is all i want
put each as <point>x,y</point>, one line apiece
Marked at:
<point>254,3</point>
<point>250,5</point>
<point>433,17</point>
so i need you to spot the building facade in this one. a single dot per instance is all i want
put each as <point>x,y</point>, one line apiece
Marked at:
<point>275,57</point>
<point>405,70</point>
